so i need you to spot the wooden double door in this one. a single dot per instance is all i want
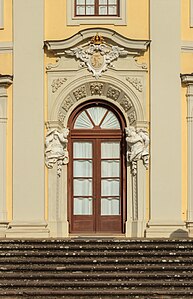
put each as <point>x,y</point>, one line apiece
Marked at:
<point>96,174</point>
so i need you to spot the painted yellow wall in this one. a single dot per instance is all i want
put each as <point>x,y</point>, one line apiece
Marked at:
<point>6,33</point>
<point>55,21</point>
<point>187,32</point>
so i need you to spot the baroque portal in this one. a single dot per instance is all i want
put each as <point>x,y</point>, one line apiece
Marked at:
<point>101,67</point>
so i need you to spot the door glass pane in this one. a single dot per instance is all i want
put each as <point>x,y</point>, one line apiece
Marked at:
<point>110,150</point>
<point>83,168</point>
<point>83,122</point>
<point>97,113</point>
<point>82,149</point>
<point>110,122</point>
<point>112,1</point>
<point>83,187</point>
<point>102,1</point>
<point>110,187</point>
<point>110,206</point>
<point>82,206</point>
<point>110,168</point>
<point>90,1</point>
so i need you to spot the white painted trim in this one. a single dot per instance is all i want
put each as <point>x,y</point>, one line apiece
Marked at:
<point>72,20</point>
<point>191,13</point>
<point>6,47</point>
<point>187,46</point>
<point>1,14</point>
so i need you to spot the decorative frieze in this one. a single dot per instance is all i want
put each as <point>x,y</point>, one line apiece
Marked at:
<point>80,93</point>
<point>68,102</point>
<point>96,88</point>
<point>57,83</point>
<point>136,82</point>
<point>56,148</point>
<point>126,103</point>
<point>132,117</point>
<point>113,93</point>
<point>137,147</point>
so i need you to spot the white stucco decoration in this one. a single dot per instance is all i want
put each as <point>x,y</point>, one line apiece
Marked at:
<point>97,55</point>
<point>137,147</point>
<point>56,148</point>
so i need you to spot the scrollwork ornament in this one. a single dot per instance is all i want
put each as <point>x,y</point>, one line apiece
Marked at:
<point>56,148</point>
<point>97,56</point>
<point>137,147</point>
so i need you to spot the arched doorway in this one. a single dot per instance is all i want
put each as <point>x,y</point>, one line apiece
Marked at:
<point>96,172</point>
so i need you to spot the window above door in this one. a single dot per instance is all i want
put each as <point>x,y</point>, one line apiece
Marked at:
<point>96,12</point>
<point>97,8</point>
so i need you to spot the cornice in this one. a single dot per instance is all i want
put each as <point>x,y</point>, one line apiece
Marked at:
<point>6,80</point>
<point>110,36</point>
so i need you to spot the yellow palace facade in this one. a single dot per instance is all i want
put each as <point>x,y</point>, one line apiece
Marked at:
<point>96,118</point>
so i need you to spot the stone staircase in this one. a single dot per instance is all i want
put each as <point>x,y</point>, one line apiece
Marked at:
<point>96,268</point>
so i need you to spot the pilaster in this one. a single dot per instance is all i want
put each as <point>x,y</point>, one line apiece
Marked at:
<point>28,121</point>
<point>165,202</point>
<point>5,81</point>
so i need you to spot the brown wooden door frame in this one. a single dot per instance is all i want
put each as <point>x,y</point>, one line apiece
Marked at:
<point>96,136</point>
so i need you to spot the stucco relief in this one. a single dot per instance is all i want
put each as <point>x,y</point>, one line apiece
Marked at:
<point>97,55</point>
<point>137,147</point>
<point>101,89</point>
<point>56,148</point>
<point>96,88</point>
<point>57,83</point>
<point>136,82</point>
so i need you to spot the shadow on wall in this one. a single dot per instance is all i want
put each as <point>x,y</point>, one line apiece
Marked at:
<point>179,233</point>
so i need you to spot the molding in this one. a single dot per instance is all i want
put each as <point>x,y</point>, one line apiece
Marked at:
<point>91,20</point>
<point>58,47</point>
<point>187,46</point>
<point>6,80</point>
<point>1,14</point>
<point>187,79</point>
<point>6,47</point>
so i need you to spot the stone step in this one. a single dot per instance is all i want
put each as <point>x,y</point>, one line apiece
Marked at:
<point>82,253</point>
<point>96,267</point>
<point>91,260</point>
<point>132,293</point>
<point>145,275</point>
<point>84,283</point>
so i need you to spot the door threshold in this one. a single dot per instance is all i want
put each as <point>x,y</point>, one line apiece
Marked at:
<point>102,236</point>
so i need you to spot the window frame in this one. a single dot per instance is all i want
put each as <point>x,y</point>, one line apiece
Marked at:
<point>73,20</point>
<point>96,9</point>
<point>1,14</point>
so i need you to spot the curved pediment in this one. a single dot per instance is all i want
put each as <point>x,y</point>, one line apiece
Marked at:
<point>58,47</point>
